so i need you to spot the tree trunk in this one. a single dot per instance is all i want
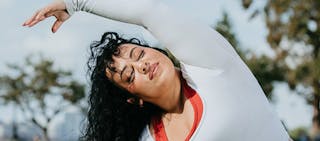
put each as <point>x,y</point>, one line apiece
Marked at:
<point>316,117</point>
<point>45,134</point>
<point>15,135</point>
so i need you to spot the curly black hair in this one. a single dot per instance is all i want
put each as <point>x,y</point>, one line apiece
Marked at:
<point>110,117</point>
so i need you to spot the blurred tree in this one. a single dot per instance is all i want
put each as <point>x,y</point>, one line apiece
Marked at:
<point>224,27</point>
<point>40,91</point>
<point>299,133</point>
<point>265,69</point>
<point>294,31</point>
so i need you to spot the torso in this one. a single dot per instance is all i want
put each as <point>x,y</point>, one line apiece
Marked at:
<point>234,108</point>
<point>179,126</point>
<point>176,126</point>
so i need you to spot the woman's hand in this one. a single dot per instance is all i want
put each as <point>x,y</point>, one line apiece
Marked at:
<point>56,9</point>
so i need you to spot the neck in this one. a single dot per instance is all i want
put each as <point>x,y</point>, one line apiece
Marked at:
<point>173,101</point>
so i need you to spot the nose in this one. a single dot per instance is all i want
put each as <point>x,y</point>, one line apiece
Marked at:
<point>142,67</point>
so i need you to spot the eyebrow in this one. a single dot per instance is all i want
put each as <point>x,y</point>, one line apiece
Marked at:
<point>132,52</point>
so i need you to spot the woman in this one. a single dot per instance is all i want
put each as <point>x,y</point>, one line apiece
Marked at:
<point>138,94</point>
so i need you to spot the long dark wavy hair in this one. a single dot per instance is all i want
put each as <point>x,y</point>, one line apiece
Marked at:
<point>110,116</point>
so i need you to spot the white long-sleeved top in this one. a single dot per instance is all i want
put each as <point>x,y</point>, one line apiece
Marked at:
<point>234,105</point>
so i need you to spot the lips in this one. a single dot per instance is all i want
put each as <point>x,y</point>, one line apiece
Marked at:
<point>153,70</point>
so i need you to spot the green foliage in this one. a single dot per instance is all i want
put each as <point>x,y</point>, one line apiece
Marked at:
<point>246,3</point>
<point>296,22</point>
<point>297,132</point>
<point>291,23</point>
<point>33,85</point>
<point>265,69</point>
<point>224,27</point>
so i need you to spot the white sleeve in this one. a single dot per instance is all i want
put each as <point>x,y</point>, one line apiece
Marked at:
<point>192,42</point>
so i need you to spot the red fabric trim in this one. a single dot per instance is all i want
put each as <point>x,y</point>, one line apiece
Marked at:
<point>158,128</point>
<point>192,95</point>
<point>196,102</point>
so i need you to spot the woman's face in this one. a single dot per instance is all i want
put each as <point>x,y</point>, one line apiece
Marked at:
<point>144,72</point>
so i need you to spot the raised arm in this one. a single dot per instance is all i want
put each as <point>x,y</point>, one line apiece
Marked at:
<point>192,42</point>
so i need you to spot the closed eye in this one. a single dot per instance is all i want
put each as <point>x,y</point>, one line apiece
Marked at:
<point>132,76</point>
<point>141,55</point>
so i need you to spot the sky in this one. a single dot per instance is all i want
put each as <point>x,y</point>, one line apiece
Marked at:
<point>69,46</point>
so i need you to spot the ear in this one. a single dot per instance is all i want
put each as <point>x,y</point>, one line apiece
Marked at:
<point>130,88</point>
<point>108,74</point>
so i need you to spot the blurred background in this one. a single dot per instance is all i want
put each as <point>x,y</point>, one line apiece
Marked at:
<point>44,85</point>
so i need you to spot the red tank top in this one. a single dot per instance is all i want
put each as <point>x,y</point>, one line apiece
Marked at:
<point>192,95</point>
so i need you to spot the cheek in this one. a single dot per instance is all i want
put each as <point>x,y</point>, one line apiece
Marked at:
<point>139,85</point>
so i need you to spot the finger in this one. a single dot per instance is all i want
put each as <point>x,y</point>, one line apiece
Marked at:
<point>31,19</point>
<point>41,14</point>
<point>56,26</point>
<point>49,14</point>
<point>35,21</point>
<point>40,18</point>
